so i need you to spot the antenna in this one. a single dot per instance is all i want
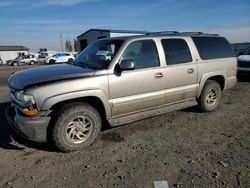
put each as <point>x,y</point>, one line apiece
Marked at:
<point>61,42</point>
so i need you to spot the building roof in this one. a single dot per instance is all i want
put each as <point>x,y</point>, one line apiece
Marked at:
<point>13,48</point>
<point>115,31</point>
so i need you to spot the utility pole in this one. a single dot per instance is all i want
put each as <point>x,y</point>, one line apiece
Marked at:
<point>61,42</point>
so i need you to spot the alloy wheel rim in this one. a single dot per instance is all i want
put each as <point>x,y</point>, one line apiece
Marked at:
<point>79,129</point>
<point>212,96</point>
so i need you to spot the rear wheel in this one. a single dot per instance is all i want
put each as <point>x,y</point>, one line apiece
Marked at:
<point>77,125</point>
<point>70,60</point>
<point>210,96</point>
<point>51,61</point>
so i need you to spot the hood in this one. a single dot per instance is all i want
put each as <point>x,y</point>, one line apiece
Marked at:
<point>49,73</point>
<point>244,58</point>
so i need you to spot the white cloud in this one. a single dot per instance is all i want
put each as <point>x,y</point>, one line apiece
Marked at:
<point>235,35</point>
<point>40,3</point>
<point>61,2</point>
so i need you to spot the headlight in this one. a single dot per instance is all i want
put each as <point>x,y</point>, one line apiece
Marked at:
<point>21,97</point>
<point>30,110</point>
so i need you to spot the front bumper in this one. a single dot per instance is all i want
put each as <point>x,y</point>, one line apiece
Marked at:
<point>34,129</point>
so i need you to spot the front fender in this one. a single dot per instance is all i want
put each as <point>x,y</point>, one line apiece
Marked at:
<point>51,101</point>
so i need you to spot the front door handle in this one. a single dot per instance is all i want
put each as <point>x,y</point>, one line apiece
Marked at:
<point>190,71</point>
<point>158,75</point>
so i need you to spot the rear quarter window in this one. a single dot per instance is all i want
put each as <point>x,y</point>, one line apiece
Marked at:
<point>213,47</point>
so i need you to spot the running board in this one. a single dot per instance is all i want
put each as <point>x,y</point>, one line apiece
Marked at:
<point>150,113</point>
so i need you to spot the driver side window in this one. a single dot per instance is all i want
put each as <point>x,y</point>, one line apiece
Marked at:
<point>143,53</point>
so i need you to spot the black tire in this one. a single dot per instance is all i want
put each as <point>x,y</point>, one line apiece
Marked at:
<point>70,60</point>
<point>210,96</point>
<point>51,61</point>
<point>66,135</point>
<point>32,62</point>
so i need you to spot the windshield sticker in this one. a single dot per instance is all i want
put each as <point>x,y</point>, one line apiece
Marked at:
<point>102,52</point>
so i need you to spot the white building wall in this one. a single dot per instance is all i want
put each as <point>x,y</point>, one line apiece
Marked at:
<point>8,55</point>
<point>34,53</point>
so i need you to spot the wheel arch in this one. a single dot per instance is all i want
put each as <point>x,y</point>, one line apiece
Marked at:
<point>218,77</point>
<point>91,100</point>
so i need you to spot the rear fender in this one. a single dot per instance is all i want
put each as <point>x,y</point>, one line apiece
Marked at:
<point>205,77</point>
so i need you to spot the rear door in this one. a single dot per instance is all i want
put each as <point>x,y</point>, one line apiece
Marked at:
<point>181,70</point>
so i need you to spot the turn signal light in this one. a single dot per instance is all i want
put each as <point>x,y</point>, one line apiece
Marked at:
<point>32,112</point>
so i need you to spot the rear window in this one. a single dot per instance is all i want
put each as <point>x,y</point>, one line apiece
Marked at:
<point>213,47</point>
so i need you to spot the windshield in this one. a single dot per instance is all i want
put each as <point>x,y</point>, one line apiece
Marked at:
<point>56,55</point>
<point>19,57</point>
<point>99,54</point>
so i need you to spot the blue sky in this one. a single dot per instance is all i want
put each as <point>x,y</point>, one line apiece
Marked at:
<point>39,23</point>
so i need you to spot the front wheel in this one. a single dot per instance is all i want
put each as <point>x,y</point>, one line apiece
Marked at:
<point>77,125</point>
<point>32,62</point>
<point>210,96</point>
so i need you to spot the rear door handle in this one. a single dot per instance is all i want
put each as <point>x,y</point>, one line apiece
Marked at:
<point>190,71</point>
<point>158,75</point>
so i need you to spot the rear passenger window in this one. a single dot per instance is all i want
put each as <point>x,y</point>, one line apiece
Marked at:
<point>176,51</point>
<point>144,54</point>
<point>213,47</point>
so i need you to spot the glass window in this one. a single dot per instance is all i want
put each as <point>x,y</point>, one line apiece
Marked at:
<point>176,51</point>
<point>143,53</point>
<point>213,47</point>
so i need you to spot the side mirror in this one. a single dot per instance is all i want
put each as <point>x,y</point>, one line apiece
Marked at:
<point>127,64</point>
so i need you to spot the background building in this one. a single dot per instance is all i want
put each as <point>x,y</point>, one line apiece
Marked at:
<point>11,52</point>
<point>91,35</point>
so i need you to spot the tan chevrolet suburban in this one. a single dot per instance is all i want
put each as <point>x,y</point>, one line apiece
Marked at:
<point>120,80</point>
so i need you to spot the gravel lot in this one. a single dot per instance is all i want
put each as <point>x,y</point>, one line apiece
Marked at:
<point>186,148</point>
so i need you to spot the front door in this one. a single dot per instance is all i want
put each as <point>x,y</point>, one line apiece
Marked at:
<point>141,88</point>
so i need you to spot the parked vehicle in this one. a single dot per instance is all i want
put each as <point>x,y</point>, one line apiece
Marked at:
<point>22,60</point>
<point>120,80</point>
<point>61,57</point>
<point>1,61</point>
<point>244,63</point>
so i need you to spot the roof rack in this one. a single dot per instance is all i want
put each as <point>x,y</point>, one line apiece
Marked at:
<point>163,33</point>
<point>198,33</point>
<point>193,33</point>
<point>179,33</point>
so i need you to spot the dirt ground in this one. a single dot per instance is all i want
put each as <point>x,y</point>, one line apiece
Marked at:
<point>186,148</point>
